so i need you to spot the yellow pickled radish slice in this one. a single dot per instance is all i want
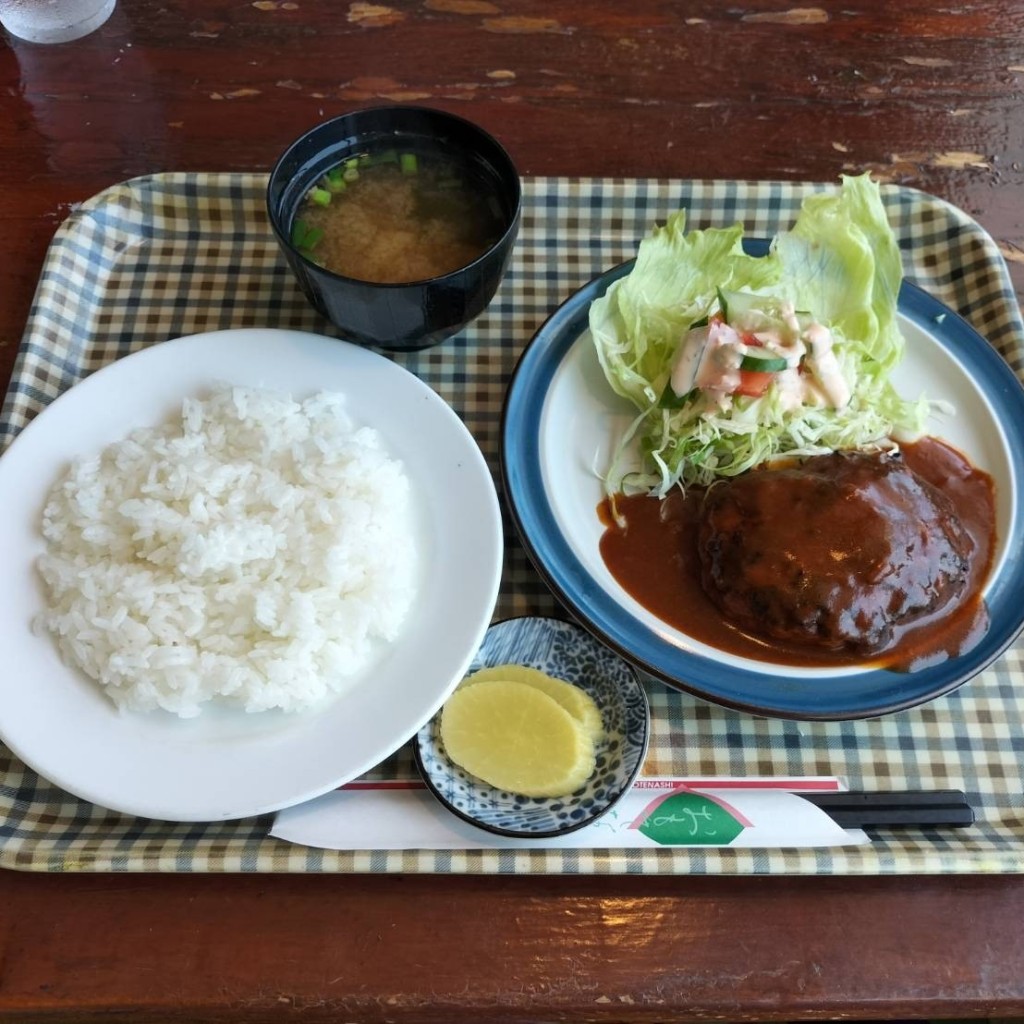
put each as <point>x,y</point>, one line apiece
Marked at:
<point>577,702</point>
<point>516,738</point>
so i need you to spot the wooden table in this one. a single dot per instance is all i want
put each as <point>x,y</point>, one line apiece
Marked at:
<point>924,95</point>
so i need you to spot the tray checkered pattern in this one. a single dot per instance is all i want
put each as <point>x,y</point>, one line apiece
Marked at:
<point>173,254</point>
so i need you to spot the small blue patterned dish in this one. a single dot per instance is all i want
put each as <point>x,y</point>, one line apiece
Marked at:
<point>567,652</point>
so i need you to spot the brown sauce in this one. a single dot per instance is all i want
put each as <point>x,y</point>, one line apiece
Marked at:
<point>654,557</point>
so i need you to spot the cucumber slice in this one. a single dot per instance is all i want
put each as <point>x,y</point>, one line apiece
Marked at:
<point>763,364</point>
<point>740,304</point>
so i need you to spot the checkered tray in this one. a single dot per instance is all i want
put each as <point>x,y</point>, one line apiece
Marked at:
<point>174,254</point>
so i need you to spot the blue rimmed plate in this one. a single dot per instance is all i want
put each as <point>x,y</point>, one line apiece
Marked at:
<point>564,650</point>
<point>561,423</point>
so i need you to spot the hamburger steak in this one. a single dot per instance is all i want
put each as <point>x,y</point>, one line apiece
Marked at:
<point>837,551</point>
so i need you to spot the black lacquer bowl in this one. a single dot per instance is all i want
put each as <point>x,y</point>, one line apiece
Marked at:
<point>408,316</point>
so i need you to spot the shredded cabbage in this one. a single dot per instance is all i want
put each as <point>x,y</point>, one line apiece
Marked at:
<point>840,262</point>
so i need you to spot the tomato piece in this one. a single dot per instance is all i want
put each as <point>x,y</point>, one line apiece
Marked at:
<point>754,383</point>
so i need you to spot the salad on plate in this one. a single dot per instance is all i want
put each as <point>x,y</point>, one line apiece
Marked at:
<point>733,360</point>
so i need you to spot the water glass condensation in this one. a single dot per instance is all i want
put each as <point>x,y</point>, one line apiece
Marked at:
<point>53,21</point>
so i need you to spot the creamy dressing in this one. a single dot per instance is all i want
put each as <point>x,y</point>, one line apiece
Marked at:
<point>822,362</point>
<point>791,390</point>
<point>719,367</point>
<point>710,359</point>
<point>687,363</point>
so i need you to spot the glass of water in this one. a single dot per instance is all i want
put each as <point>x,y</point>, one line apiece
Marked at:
<point>53,21</point>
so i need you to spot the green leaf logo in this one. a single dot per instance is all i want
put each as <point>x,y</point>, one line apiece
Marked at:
<point>689,819</point>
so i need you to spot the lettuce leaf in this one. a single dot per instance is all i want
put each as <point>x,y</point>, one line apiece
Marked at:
<point>638,322</point>
<point>840,262</point>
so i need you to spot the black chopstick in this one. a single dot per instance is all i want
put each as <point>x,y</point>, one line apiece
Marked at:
<point>939,808</point>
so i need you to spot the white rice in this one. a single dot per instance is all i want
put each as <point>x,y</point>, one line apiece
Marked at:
<point>256,551</point>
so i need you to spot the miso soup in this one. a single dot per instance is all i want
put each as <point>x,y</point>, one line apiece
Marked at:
<point>393,216</point>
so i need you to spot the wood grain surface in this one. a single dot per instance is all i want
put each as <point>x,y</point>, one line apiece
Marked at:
<point>439,950</point>
<point>926,95</point>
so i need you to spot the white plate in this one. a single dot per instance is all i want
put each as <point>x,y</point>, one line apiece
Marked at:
<point>229,764</point>
<point>562,423</point>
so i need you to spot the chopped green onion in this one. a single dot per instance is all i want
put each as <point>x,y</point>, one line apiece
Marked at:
<point>408,163</point>
<point>306,238</point>
<point>349,170</point>
<point>334,181</point>
<point>765,364</point>
<point>320,196</point>
<point>299,231</point>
